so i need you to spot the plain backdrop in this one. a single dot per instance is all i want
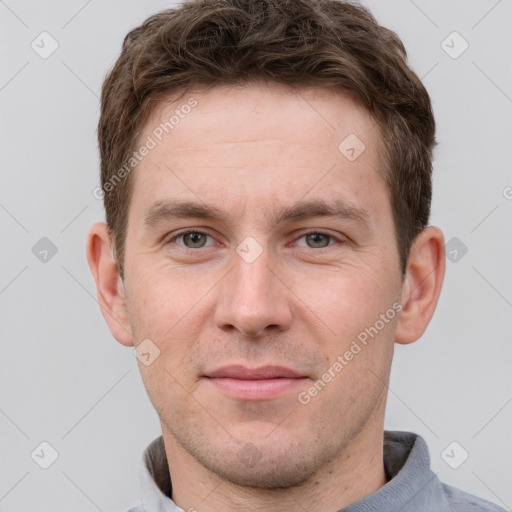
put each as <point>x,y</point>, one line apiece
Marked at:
<point>65,381</point>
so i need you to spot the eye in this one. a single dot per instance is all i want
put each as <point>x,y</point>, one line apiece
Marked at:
<point>191,239</point>
<point>317,240</point>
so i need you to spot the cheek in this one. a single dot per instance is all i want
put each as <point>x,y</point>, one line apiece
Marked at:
<point>170,307</point>
<point>359,348</point>
<point>161,297</point>
<point>346,300</point>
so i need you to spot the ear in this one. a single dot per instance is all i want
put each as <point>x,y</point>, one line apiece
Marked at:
<point>422,285</point>
<point>109,285</point>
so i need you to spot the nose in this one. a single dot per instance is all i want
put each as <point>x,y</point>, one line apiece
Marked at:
<point>253,298</point>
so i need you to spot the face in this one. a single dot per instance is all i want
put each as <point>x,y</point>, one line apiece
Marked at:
<point>261,263</point>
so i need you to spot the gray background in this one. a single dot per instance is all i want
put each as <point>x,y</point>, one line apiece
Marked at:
<point>66,381</point>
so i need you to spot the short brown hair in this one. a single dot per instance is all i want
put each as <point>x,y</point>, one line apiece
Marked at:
<point>298,43</point>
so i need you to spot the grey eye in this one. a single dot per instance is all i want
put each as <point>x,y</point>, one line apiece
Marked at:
<point>194,240</point>
<point>317,240</point>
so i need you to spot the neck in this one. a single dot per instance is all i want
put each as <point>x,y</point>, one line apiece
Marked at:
<point>356,473</point>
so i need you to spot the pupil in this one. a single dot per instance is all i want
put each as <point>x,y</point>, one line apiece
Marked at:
<point>316,238</point>
<point>195,239</point>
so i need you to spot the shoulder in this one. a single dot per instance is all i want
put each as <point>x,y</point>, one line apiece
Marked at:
<point>137,508</point>
<point>461,501</point>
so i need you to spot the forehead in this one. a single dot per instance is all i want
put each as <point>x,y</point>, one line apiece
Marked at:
<point>260,140</point>
<point>251,112</point>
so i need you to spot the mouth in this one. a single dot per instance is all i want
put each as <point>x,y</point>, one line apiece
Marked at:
<point>263,383</point>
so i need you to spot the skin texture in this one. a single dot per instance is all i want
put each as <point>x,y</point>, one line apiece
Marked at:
<point>299,304</point>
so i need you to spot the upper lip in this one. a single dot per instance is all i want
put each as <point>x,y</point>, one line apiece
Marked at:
<point>263,372</point>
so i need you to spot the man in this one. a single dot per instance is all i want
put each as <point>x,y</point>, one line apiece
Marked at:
<point>266,166</point>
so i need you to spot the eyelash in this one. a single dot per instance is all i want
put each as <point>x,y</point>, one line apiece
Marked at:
<point>196,231</point>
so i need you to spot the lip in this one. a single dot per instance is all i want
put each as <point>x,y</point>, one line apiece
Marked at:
<point>263,372</point>
<point>261,383</point>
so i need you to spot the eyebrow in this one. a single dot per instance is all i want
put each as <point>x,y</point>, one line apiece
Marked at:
<point>162,211</point>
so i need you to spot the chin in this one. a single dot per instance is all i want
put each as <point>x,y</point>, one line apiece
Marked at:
<point>270,462</point>
<point>250,467</point>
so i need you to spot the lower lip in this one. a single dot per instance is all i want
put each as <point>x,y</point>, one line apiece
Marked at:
<point>258,389</point>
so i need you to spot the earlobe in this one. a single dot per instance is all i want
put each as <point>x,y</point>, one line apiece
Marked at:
<point>422,285</point>
<point>109,286</point>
